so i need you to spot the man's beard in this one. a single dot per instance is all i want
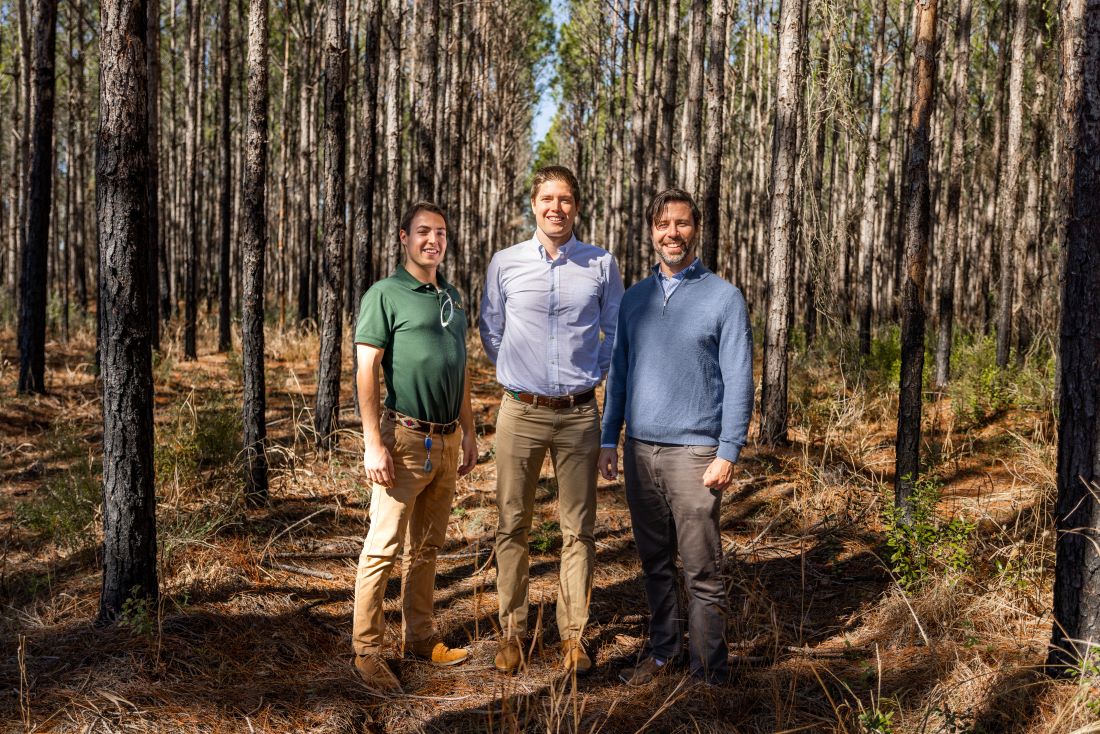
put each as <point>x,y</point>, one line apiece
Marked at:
<point>686,249</point>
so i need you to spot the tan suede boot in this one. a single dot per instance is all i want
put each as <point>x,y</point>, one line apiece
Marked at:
<point>573,657</point>
<point>509,655</point>
<point>377,674</point>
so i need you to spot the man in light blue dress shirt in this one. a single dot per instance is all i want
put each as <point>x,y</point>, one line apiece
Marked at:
<point>545,303</point>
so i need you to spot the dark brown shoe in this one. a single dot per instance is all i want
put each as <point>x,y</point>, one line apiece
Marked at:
<point>377,674</point>
<point>574,658</point>
<point>509,655</point>
<point>643,673</point>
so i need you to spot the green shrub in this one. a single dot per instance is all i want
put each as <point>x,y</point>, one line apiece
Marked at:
<point>926,543</point>
<point>546,536</point>
<point>65,511</point>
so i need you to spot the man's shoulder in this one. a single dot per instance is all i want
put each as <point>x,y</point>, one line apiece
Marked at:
<point>511,253</point>
<point>640,290</point>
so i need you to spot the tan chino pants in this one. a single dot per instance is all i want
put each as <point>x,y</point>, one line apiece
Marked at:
<point>415,510</point>
<point>524,434</point>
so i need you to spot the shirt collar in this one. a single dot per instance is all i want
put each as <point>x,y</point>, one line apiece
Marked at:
<point>689,270</point>
<point>407,279</point>
<point>563,249</point>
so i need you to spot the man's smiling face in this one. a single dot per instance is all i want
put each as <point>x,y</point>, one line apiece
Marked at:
<point>426,241</point>
<point>555,210</point>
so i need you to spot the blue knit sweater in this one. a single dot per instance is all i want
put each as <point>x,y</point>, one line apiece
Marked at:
<point>681,371</point>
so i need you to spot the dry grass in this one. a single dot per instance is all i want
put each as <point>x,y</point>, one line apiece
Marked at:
<point>822,636</point>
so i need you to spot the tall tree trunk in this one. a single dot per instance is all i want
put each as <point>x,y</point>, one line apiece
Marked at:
<point>960,76</point>
<point>693,107</point>
<point>783,226</point>
<point>253,232</point>
<point>1011,188</point>
<point>33,278</point>
<point>368,167</point>
<point>870,193</point>
<point>669,81</point>
<point>326,415</point>
<point>426,101</point>
<point>225,338</point>
<point>129,502</point>
<point>712,155</point>
<point>1076,631</point>
<point>916,236</point>
<point>194,126</point>
<point>153,241</point>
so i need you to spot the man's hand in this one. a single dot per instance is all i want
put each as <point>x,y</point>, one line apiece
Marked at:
<point>718,475</point>
<point>469,453</point>
<point>609,463</point>
<point>378,464</point>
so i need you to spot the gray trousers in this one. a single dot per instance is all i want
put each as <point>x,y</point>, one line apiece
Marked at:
<point>674,514</point>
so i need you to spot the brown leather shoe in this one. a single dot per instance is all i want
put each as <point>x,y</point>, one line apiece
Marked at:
<point>377,674</point>
<point>436,652</point>
<point>509,655</point>
<point>643,673</point>
<point>574,658</point>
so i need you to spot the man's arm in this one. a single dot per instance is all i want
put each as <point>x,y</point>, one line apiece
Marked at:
<point>466,421</point>
<point>614,403</point>
<point>735,363</point>
<point>491,322</point>
<point>612,296</point>
<point>377,461</point>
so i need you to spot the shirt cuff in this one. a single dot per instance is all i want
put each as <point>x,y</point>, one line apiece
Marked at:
<point>728,451</point>
<point>609,445</point>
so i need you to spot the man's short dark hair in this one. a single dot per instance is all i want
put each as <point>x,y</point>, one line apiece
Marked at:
<point>556,173</point>
<point>666,197</point>
<point>420,206</point>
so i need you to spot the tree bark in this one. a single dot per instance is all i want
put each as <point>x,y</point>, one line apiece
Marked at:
<point>693,106</point>
<point>253,229</point>
<point>365,191</point>
<point>326,415</point>
<point>225,338</point>
<point>33,278</point>
<point>870,193</point>
<point>946,308</point>
<point>129,502</point>
<point>194,124</point>
<point>915,251</point>
<point>153,247</point>
<point>1076,631</point>
<point>712,155</point>
<point>783,229</point>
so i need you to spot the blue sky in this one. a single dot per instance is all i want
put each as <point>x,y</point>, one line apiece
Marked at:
<point>548,103</point>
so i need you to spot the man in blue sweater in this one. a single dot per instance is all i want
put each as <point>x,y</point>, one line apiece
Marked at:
<point>681,378</point>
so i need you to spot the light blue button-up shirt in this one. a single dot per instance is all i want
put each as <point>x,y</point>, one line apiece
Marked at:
<point>668,284</point>
<point>541,318</point>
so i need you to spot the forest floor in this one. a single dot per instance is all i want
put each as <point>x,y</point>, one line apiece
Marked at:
<point>832,627</point>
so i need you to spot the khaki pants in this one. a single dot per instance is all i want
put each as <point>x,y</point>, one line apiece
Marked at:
<point>420,503</point>
<point>524,434</point>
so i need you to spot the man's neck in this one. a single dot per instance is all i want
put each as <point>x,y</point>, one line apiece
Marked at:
<point>423,274</point>
<point>552,245</point>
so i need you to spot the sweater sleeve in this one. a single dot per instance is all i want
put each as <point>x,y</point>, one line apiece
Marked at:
<point>614,402</point>
<point>735,362</point>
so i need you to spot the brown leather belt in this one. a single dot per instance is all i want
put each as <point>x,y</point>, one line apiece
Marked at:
<point>565,401</point>
<point>419,425</point>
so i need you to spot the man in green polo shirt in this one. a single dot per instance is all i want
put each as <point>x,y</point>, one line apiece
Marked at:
<point>412,326</point>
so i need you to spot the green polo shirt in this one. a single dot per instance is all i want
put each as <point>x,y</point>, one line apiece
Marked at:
<point>424,362</point>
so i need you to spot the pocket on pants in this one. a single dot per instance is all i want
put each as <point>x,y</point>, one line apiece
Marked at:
<point>703,452</point>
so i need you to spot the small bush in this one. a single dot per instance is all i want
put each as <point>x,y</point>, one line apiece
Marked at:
<point>546,536</point>
<point>926,543</point>
<point>205,441</point>
<point>65,511</point>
